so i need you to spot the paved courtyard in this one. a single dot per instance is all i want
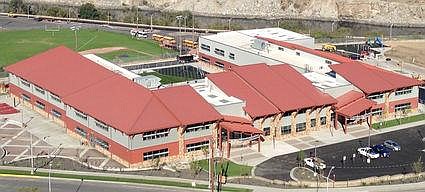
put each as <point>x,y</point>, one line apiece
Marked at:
<point>47,138</point>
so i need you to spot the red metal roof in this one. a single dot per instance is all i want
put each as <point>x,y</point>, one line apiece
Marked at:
<point>279,87</point>
<point>347,98</point>
<point>187,105</point>
<point>371,79</point>
<point>231,84</point>
<point>237,127</point>
<point>356,107</point>
<point>234,119</point>
<point>59,70</point>
<point>123,104</point>
<point>327,55</point>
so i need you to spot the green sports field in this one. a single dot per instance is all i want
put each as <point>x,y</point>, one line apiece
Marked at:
<point>18,45</point>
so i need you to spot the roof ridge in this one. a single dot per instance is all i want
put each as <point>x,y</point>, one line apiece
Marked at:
<point>141,113</point>
<point>165,106</point>
<point>89,85</point>
<point>352,102</point>
<point>255,90</point>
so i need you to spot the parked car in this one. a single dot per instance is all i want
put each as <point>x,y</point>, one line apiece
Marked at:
<point>368,152</point>
<point>390,144</point>
<point>381,150</point>
<point>315,162</point>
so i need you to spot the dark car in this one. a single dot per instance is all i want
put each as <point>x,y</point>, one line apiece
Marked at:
<point>382,150</point>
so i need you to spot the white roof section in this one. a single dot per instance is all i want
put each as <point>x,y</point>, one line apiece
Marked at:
<point>112,67</point>
<point>323,81</point>
<point>215,98</point>
<point>275,33</point>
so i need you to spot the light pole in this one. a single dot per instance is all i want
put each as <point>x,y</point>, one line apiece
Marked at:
<point>50,183</point>
<point>229,24</point>
<point>391,30</point>
<point>333,23</point>
<point>179,18</point>
<point>185,23</point>
<point>75,29</point>
<point>327,178</point>
<point>151,23</point>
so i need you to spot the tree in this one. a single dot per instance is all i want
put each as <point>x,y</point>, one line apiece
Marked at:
<point>418,166</point>
<point>56,12</point>
<point>88,11</point>
<point>195,168</point>
<point>300,157</point>
<point>17,6</point>
<point>156,163</point>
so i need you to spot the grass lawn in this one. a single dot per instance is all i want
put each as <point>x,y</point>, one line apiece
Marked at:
<point>233,169</point>
<point>400,121</point>
<point>21,44</point>
<point>116,179</point>
<point>167,79</point>
<point>122,56</point>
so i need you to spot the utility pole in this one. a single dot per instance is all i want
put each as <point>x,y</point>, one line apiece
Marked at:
<point>151,22</point>
<point>211,166</point>
<point>50,183</point>
<point>193,20</point>
<point>137,17</point>
<point>69,14</point>
<point>179,18</point>
<point>229,24</point>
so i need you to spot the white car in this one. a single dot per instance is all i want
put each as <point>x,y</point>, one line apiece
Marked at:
<point>368,152</point>
<point>315,163</point>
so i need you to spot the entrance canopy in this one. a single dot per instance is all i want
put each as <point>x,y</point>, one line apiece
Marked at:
<point>356,107</point>
<point>238,127</point>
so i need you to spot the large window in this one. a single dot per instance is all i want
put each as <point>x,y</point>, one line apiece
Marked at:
<point>40,105</point>
<point>377,111</point>
<point>300,127</point>
<point>39,89</point>
<point>219,64</point>
<point>376,96</point>
<point>402,107</point>
<point>101,143</point>
<point>281,49</point>
<point>155,154</point>
<point>286,129</point>
<point>81,132</point>
<point>196,146</point>
<point>197,128</point>
<point>26,83</point>
<point>322,120</point>
<point>232,56</point>
<point>313,123</point>
<point>155,134</point>
<point>266,131</point>
<point>404,91</point>
<point>80,114</point>
<point>56,98</point>
<point>205,59</point>
<point>56,113</point>
<point>219,52</point>
<point>101,125</point>
<point>205,47</point>
<point>26,97</point>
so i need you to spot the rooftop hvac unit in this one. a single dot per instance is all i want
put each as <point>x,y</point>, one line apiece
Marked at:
<point>259,44</point>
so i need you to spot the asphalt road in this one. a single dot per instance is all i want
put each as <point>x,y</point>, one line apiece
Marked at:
<point>14,184</point>
<point>399,162</point>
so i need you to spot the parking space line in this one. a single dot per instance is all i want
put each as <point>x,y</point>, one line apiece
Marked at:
<point>83,152</point>
<point>14,137</point>
<point>104,162</point>
<point>26,150</point>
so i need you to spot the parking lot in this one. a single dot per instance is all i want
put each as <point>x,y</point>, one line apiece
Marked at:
<point>412,147</point>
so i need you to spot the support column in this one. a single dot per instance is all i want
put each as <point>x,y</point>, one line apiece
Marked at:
<point>180,130</point>
<point>317,119</point>
<point>387,105</point>
<point>293,124</point>
<point>215,134</point>
<point>259,144</point>
<point>220,139</point>
<point>328,117</point>
<point>276,124</point>
<point>345,125</point>
<point>336,121</point>
<point>307,120</point>
<point>228,143</point>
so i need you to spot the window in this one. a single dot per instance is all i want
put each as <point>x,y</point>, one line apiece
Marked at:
<point>302,111</point>
<point>39,89</point>
<point>266,131</point>
<point>313,123</point>
<point>285,129</point>
<point>232,56</point>
<point>26,97</point>
<point>332,74</point>
<point>328,62</point>
<point>220,65</point>
<point>300,127</point>
<point>55,98</point>
<point>322,120</point>
<point>205,59</point>
<point>281,49</point>
<point>197,146</point>
<point>40,105</point>
<point>377,111</point>
<point>101,143</point>
<point>219,52</point>
<point>402,107</point>
<point>155,154</point>
<point>298,53</point>
<point>80,114</point>
<point>205,47</point>
<point>101,125</point>
<point>80,132</point>
<point>197,128</point>
<point>376,96</point>
<point>404,91</point>
<point>26,83</point>
<point>56,113</point>
<point>155,134</point>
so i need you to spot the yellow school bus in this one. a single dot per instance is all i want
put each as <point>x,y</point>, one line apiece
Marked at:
<point>157,37</point>
<point>190,44</point>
